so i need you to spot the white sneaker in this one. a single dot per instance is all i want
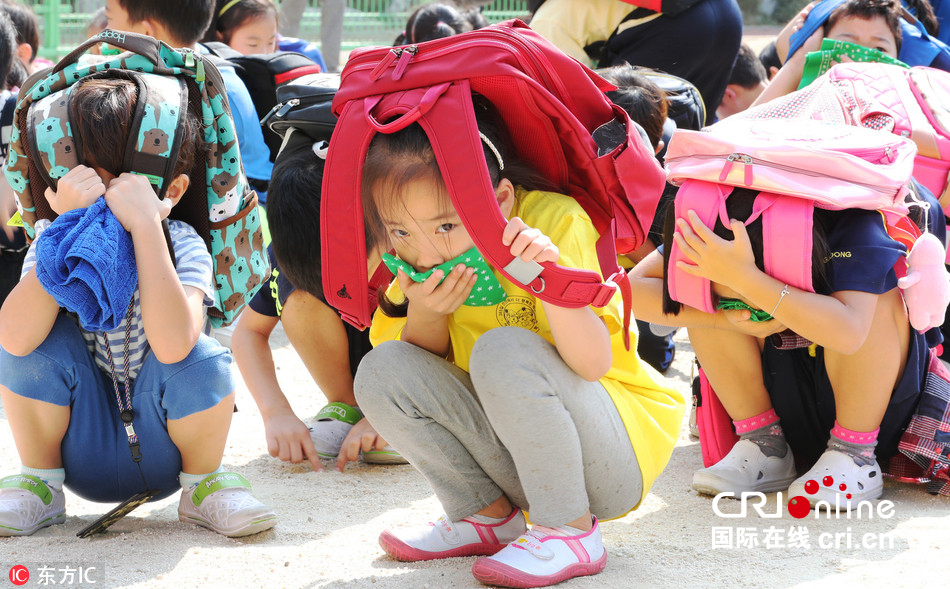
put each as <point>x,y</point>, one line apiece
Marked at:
<point>27,504</point>
<point>746,468</point>
<point>537,559</point>
<point>329,427</point>
<point>223,502</point>
<point>445,539</point>
<point>862,483</point>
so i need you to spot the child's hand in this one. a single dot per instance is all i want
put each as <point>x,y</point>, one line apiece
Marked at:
<point>528,242</point>
<point>740,320</point>
<point>132,200</point>
<point>77,189</point>
<point>362,436</point>
<point>714,258</point>
<point>288,438</point>
<point>435,298</point>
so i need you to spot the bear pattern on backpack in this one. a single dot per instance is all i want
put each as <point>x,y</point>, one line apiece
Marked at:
<point>263,74</point>
<point>218,203</point>
<point>556,111</point>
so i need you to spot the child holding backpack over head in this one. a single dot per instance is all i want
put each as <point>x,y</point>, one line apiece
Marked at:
<point>503,401</point>
<point>829,378</point>
<point>143,401</point>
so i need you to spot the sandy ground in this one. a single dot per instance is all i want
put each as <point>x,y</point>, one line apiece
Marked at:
<point>329,523</point>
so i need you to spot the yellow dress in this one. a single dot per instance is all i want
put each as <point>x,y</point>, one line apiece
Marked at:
<point>651,411</point>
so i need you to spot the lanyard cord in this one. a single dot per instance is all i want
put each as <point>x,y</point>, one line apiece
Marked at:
<point>125,410</point>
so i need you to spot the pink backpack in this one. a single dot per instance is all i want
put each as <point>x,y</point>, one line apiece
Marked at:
<point>829,166</point>
<point>912,103</point>
<point>551,105</point>
<point>797,164</point>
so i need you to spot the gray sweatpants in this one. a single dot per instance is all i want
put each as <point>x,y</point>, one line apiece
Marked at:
<point>521,423</point>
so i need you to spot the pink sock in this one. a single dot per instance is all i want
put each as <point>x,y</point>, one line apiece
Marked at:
<point>853,437</point>
<point>858,445</point>
<point>756,421</point>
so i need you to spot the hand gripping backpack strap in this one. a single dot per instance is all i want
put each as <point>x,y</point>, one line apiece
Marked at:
<point>457,145</point>
<point>787,223</point>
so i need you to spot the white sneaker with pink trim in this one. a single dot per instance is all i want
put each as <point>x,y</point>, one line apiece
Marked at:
<point>537,559</point>
<point>445,539</point>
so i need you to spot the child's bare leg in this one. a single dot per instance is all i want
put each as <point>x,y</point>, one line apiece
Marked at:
<point>38,429</point>
<point>733,364</point>
<point>201,437</point>
<point>319,338</point>
<point>863,381</point>
<point>760,460</point>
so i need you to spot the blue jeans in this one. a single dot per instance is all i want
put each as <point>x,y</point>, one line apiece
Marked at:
<point>95,449</point>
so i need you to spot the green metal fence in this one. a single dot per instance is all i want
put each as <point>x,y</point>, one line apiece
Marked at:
<point>367,22</point>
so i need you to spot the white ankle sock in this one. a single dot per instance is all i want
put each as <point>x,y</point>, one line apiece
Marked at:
<point>190,480</point>
<point>54,477</point>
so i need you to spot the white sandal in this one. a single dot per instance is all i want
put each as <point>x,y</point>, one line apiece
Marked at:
<point>840,481</point>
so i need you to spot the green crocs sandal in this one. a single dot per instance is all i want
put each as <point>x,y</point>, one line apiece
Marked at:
<point>387,455</point>
<point>329,427</point>
<point>223,502</point>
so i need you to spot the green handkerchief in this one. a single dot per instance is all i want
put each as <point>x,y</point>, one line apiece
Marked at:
<point>758,315</point>
<point>487,290</point>
<point>819,62</point>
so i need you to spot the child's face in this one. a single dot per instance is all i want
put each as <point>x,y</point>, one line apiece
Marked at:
<point>257,35</point>
<point>873,33</point>
<point>423,226</point>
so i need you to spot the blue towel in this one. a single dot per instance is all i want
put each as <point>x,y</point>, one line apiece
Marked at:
<point>85,261</point>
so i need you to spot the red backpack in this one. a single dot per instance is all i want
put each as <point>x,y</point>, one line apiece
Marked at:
<point>551,105</point>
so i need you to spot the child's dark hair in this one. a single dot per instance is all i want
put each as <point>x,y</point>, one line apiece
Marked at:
<point>394,160</point>
<point>185,20</point>
<point>26,24</point>
<point>12,72</point>
<point>293,216</point>
<point>748,71</point>
<point>101,111</point>
<point>768,57</point>
<point>229,16</point>
<point>475,17</point>
<point>739,205</point>
<point>433,21</point>
<point>643,100</point>
<point>889,10</point>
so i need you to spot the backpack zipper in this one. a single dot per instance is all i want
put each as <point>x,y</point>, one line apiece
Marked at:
<point>748,161</point>
<point>531,60</point>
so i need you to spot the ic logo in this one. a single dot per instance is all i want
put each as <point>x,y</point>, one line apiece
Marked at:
<point>19,575</point>
<point>343,294</point>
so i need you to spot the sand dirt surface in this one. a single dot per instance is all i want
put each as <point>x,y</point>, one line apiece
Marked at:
<point>329,524</point>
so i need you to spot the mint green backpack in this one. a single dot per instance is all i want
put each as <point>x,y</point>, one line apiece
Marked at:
<point>218,203</point>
